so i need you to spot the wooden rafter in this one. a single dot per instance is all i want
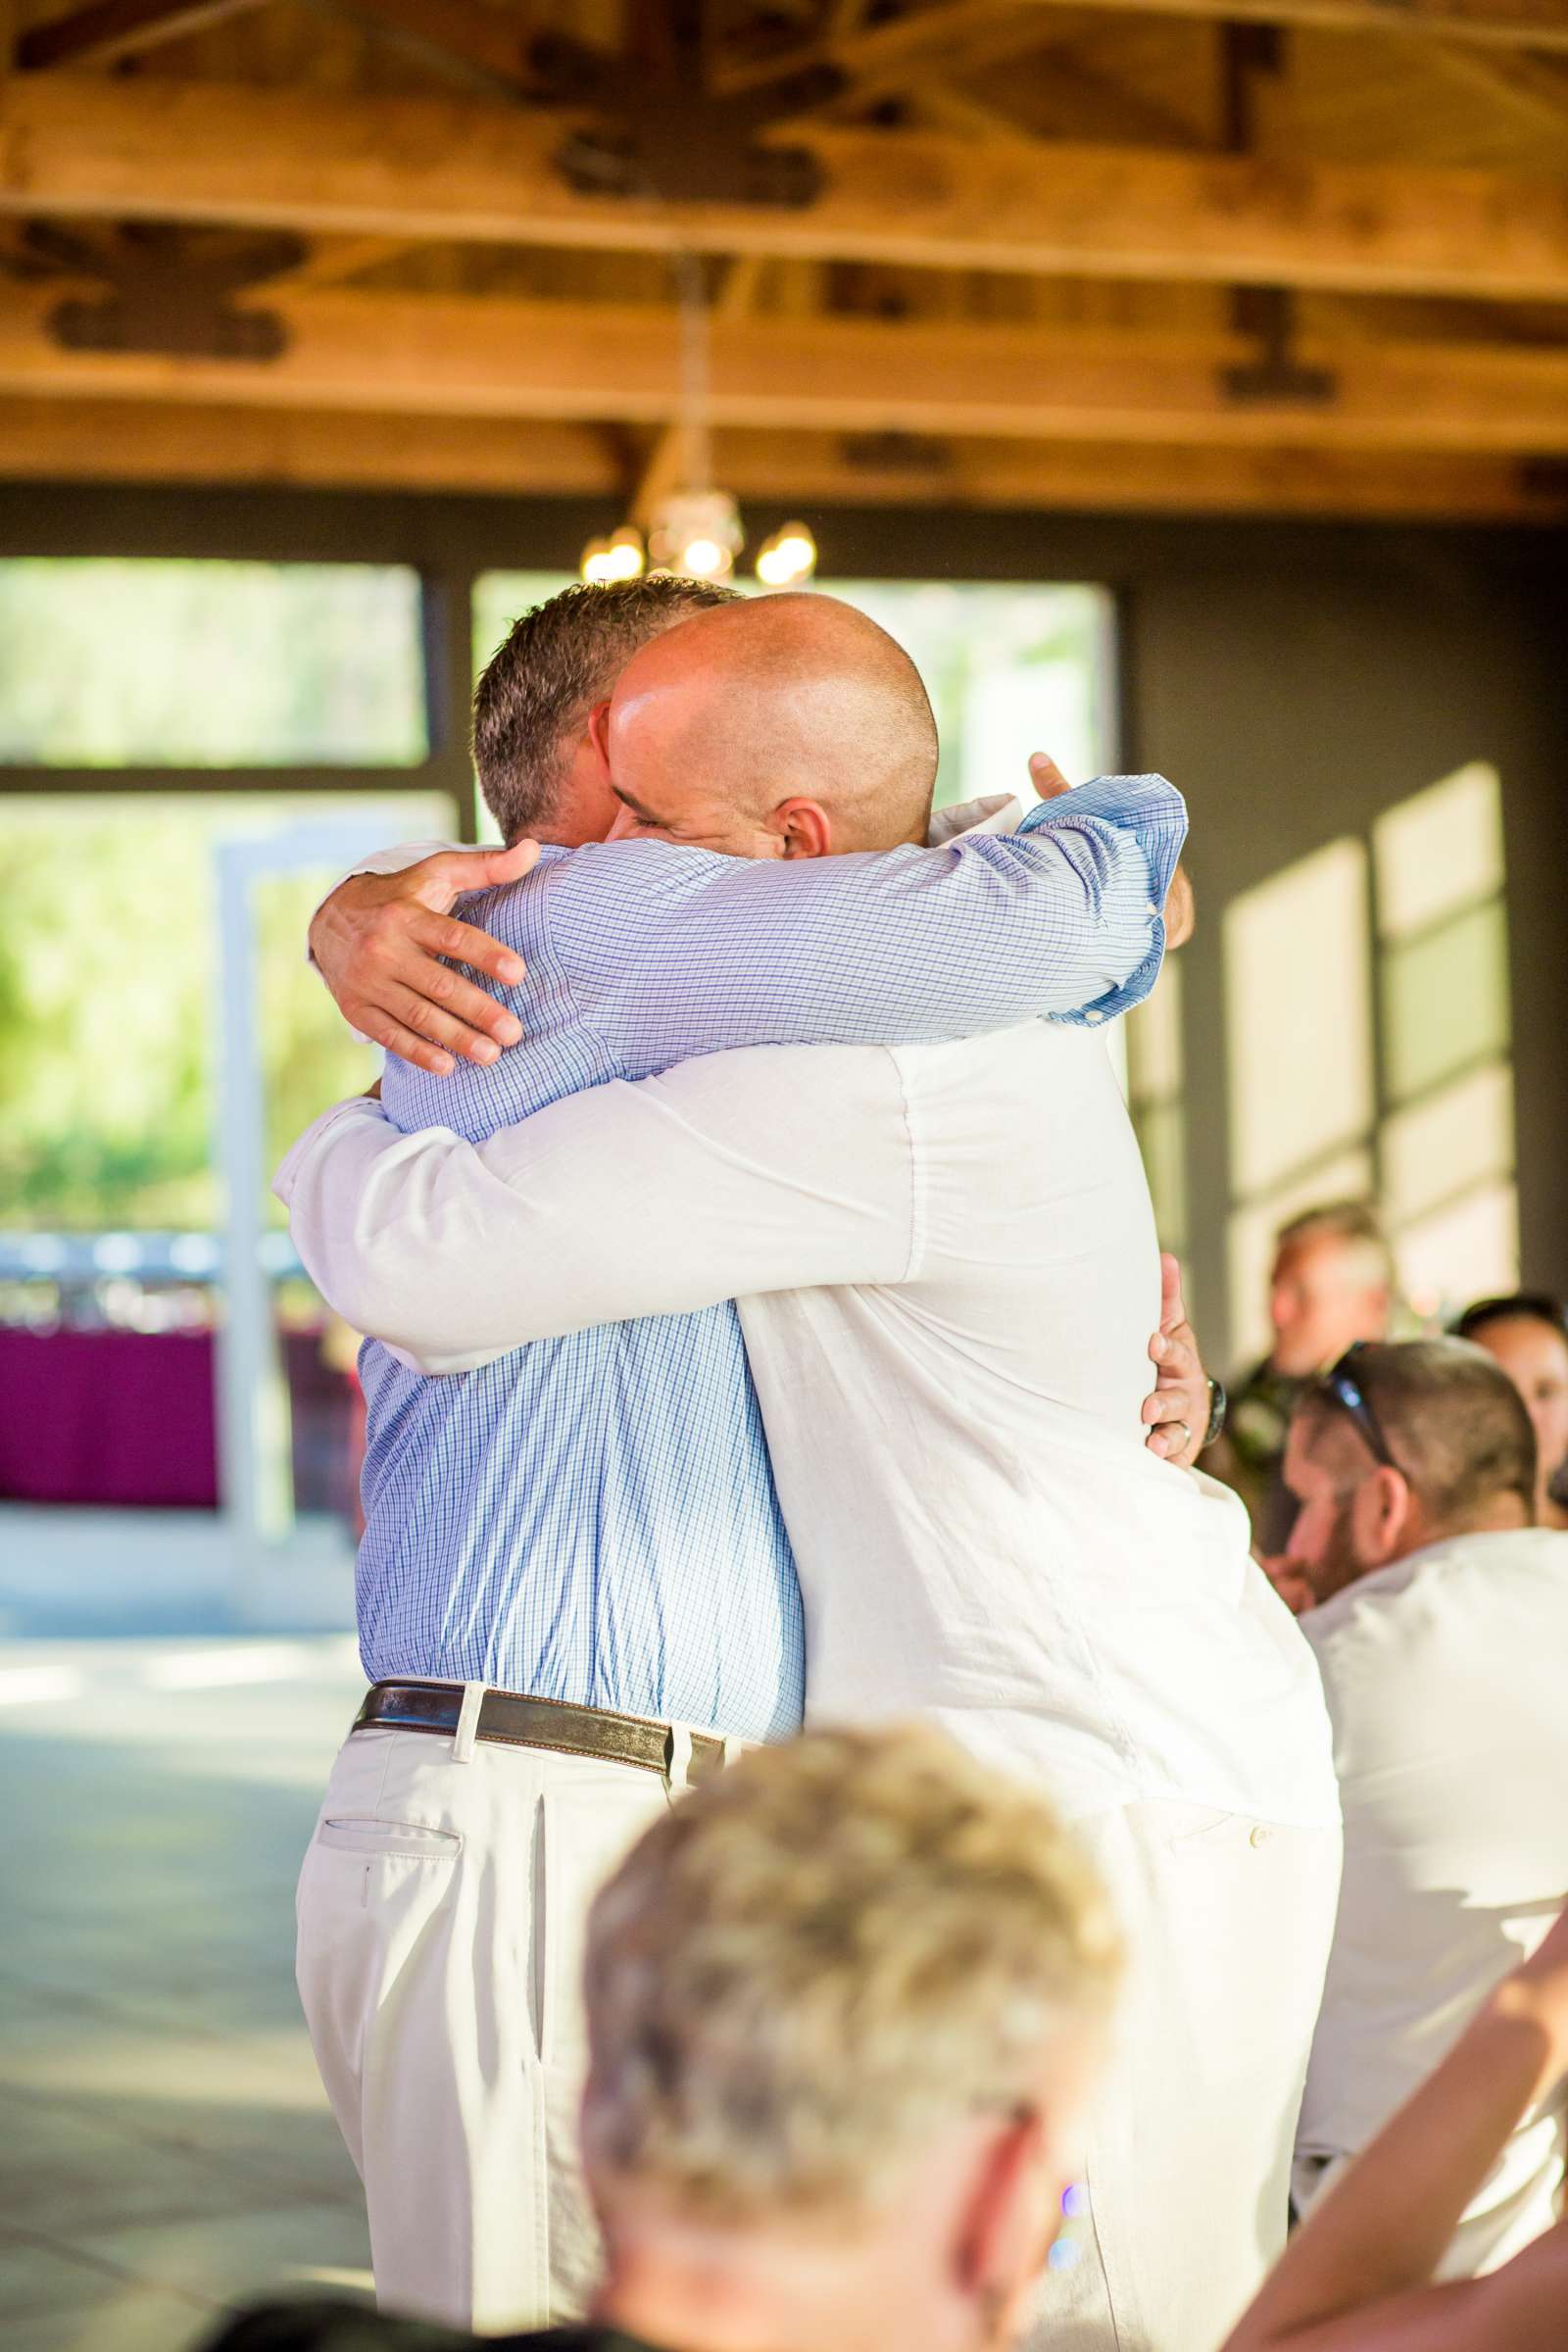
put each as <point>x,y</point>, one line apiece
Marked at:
<point>467,357</point>
<point>112,30</point>
<point>418,168</point>
<point>1063,92</point>
<point>1535,87</point>
<point>1504,24</point>
<point>476,46</point>
<point>903,51</point>
<point>154,442</point>
<point>337,262</point>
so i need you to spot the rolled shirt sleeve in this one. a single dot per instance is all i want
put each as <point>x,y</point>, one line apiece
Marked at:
<point>1153,815</point>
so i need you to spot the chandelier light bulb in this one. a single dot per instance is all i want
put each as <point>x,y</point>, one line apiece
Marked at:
<point>787,558</point>
<point>697,533</point>
<point>703,558</point>
<point>617,557</point>
<point>626,554</point>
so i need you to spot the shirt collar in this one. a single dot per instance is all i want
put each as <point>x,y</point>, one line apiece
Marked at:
<point>997,812</point>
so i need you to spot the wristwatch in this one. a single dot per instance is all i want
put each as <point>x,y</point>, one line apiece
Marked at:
<point>1218,1408</point>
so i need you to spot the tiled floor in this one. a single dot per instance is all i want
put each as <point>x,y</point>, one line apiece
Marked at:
<point>164,2148</point>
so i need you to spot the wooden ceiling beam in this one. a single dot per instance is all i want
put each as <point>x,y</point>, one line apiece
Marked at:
<point>461,356</point>
<point>112,30</point>
<point>151,442</point>
<point>76,146</point>
<point>1091,475</point>
<point>164,441</point>
<point>1501,24</point>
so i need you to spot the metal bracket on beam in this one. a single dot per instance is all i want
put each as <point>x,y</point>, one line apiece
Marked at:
<point>662,133</point>
<point>1247,52</point>
<point>1276,378</point>
<point>169,292</point>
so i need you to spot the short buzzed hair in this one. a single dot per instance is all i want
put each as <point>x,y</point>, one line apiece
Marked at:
<point>822,1957</point>
<point>552,665</point>
<point>1356,1223</point>
<point>1454,1422</point>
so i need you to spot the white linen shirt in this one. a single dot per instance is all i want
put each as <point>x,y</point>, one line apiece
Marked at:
<point>1447,1677</point>
<point>947,1271</point>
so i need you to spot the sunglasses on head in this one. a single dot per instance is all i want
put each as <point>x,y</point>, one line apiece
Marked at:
<point>1340,1384</point>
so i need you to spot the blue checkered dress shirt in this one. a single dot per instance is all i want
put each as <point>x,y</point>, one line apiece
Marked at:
<point>593,1518</point>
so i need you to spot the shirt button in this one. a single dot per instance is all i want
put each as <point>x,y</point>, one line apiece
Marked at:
<point>1260,1836</point>
<point>1093,1017</point>
<point>1151,908</point>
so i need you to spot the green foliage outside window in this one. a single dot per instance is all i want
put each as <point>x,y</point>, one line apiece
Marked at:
<point>108,1004</point>
<point>116,663</point>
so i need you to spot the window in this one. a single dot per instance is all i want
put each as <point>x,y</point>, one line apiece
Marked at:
<point>1447,1156</point>
<point>141,662</point>
<point>1367,1029</point>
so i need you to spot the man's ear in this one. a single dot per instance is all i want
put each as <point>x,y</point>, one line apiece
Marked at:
<point>598,731</point>
<point>1008,2221</point>
<point>804,829</point>
<point>1385,1508</point>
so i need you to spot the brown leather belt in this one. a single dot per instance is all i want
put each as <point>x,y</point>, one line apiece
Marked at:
<point>514,1721</point>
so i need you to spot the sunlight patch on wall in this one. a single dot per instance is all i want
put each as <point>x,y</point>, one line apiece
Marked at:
<point>1299,1017</point>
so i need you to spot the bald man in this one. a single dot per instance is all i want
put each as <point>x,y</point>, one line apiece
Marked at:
<point>951,1454</point>
<point>576,1584</point>
<point>794,729</point>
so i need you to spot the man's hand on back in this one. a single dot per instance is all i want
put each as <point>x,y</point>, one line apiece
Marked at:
<point>378,942</point>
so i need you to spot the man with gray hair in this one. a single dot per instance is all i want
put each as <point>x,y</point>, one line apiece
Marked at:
<point>845,2002</point>
<point>1331,1283</point>
<point>1439,1620</point>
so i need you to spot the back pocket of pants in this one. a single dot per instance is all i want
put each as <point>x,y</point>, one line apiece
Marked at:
<point>408,1841</point>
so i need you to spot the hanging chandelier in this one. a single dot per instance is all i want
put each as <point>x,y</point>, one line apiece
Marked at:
<point>696,530</point>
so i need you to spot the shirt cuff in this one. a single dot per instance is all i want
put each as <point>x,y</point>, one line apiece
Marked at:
<point>359,1107</point>
<point>1154,812</point>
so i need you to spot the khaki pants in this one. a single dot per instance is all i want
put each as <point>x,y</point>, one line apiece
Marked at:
<point>1228,1923</point>
<point>442,1910</point>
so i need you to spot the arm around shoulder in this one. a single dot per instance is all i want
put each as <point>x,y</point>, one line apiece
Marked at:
<point>733,1174</point>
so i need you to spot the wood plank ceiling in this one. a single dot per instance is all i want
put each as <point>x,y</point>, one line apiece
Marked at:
<point>1263,256</point>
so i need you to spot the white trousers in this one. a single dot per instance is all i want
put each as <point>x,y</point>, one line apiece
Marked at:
<point>442,1910</point>
<point>1187,2165</point>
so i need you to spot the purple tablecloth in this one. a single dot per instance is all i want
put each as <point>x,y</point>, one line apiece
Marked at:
<point>108,1416</point>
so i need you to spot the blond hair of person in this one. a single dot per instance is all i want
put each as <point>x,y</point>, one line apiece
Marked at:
<point>820,1959</point>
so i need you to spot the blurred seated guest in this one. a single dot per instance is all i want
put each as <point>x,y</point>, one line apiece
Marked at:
<point>1357,2276</point>
<point>1440,1625</point>
<point>1528,1334</point>
<point>1332,1284</point>
<point>845,2001</point>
